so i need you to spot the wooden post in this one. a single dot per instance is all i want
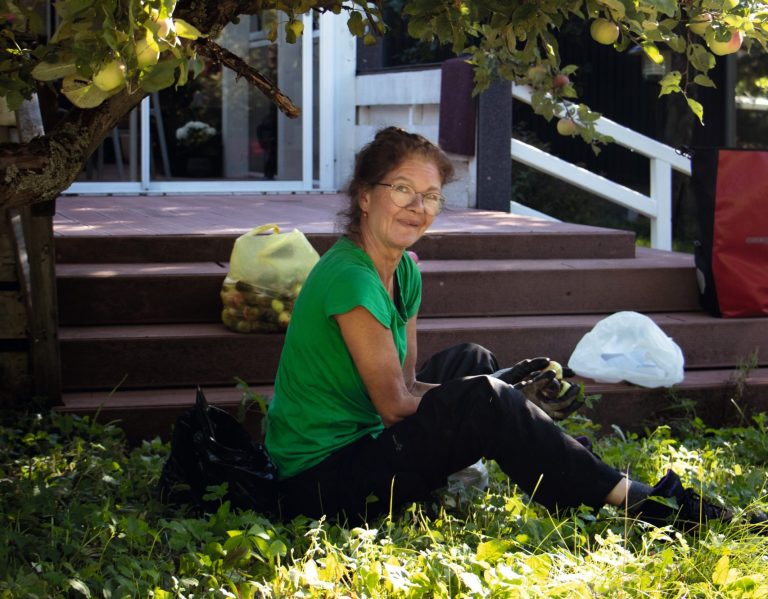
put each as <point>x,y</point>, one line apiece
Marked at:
<point>33,233</point>
<point>15,382</point>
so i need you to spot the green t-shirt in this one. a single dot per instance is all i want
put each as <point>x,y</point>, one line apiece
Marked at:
<point>320,403</point>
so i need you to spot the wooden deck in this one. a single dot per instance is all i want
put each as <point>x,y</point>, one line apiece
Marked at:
<point>107,216</point>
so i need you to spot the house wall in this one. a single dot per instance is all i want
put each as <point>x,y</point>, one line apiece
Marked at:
<point>409,99</point>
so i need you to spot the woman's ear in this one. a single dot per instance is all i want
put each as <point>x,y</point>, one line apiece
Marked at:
<point>364,201</point>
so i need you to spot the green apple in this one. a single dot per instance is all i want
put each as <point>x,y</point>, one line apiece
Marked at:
<point>727,47</point>
<point>700,23</point>
<point>147,53</point>
<point>567,126</point>
<point>110,76</point>
<point>277,306</point>
<point>556,368</point>
<point>162,26</point>
<point>604,31</point>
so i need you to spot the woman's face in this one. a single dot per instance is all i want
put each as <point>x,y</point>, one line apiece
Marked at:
<point>387,223</point>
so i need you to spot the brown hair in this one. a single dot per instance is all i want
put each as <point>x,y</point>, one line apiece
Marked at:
<point>388,149</point>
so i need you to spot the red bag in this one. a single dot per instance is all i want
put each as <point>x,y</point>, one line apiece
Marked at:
<point>731,189</point>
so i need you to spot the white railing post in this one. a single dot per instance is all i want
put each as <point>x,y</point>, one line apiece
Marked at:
<point>661,191</point>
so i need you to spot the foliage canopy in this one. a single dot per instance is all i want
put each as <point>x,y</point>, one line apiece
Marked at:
<point>108,54</point>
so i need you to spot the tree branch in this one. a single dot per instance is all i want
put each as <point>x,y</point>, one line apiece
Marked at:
<point>39,170</point>
<point>207,47</point>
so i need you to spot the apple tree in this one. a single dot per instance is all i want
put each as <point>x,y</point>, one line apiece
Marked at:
<point>106,55</point>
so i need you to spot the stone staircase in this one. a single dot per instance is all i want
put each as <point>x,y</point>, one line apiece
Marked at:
<point>140,324</point>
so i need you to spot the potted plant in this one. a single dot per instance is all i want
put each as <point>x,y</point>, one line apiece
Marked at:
<point>200,144</point>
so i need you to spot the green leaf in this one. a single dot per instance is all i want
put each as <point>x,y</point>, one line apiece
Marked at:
<point>160,76</point>
<point>79,586</point>
<point>720,573</point>
<point>187,31</point>
<point>697,109</point>
<point>700,58</point>
<point>703,80</point>
<point>356,25</point>
<point>277,548</point>
<point>83,93</point>
<point>50,71</point>
<point>652,52</point>
<point>293,30</point>
<point>616,7</point>
<point>668,7</point>
<point>670,83</point>
<point>493,550</point>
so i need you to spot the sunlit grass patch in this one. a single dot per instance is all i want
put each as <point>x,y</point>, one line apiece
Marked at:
<point>79,517</point>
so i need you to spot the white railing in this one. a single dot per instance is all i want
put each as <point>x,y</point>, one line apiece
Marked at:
<point>411,100</point>
<point>657,206</point>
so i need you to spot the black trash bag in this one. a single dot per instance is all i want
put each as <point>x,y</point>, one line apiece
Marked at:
<point>210,447</point>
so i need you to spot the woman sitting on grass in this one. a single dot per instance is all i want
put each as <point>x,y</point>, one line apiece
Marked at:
<point>353,430</point>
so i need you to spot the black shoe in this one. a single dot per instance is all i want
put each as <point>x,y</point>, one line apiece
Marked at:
<point>686,512</point>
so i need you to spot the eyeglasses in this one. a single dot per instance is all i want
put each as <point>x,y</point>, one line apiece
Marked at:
<point>403,196</point>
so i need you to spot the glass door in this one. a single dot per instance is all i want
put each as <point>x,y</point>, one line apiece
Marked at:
<point>218,134</point>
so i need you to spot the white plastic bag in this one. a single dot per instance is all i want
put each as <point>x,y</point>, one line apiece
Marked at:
<point>628,346</point>
<point>474,476</point>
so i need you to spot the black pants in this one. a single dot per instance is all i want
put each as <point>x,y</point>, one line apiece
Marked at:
<point>465,419</point>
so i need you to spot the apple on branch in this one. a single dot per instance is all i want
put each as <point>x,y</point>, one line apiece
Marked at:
<point>110,76</point>
<point>560,80</point>
<point>147,52</point>
<point>604,31</point>
<point>567,126</point>
<point>729,46</point>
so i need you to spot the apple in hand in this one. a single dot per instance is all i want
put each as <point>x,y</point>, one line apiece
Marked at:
<point>555,367</point>
<point>700,23</point>
<point>110,76</point>
<point>727,47</point>
<point>604,31</point>
<point>567,126</point>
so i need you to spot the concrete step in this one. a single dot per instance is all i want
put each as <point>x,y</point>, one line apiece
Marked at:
<point>189,291</point>
<point>145,414</point>
<point>171,355</point>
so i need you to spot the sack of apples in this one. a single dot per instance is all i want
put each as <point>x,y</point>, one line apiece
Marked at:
<point>266,271</point>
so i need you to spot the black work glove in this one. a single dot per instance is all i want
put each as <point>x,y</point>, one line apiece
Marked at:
<point>522,370</point>
<point>544,389</point>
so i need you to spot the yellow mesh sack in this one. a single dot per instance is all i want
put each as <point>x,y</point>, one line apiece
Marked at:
<point>266,271</point>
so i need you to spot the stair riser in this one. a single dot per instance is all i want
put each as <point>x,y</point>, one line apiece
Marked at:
<point>217,360</point>
<point>566,291</point>
<point>632,409</point>
<point>629,408</point>
<point>443,246</point>
<point>178,299</point>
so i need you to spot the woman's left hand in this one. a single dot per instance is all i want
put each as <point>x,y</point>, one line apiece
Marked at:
<point>546,391</point>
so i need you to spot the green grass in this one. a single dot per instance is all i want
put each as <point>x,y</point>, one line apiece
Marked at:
<point>79,518</point>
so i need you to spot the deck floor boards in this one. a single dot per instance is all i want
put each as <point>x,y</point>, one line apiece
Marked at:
<point>122,215</point>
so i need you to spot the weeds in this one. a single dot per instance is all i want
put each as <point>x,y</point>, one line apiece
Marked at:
<point>78,517</point>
